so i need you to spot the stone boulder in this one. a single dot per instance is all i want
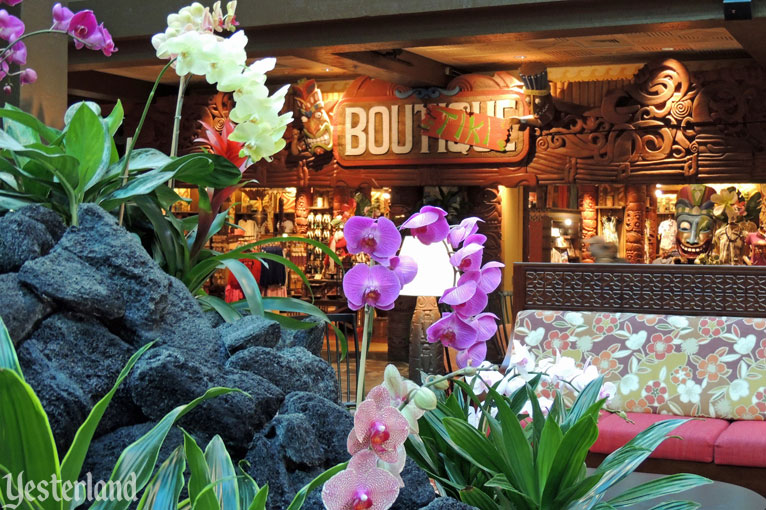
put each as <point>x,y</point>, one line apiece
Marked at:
<point>64,401</point>
<point>249,331</point>
<point>293,369</point>
<point>447,504</point>
<point>27,234</point>
<point>92,358</point>
<point>20,309</point>
<point>330,422</point>
<point>417,490</point>
<point>167,377</point>
<point>311,339</point>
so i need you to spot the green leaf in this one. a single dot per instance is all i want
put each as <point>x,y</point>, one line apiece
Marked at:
<point>11,203</point>
<point>75,456</point>
<point>227,312</point>
<point>74,108</point>
<point>164,490</point>
<point>259,501</point>
<point>570,458</point>
<point>199,476</point>
<point>88,140</point>
<point>248,489</point>
<point>218,173</point>
<point>657,488</point>
<point>140,159</point>
<point>115,118</point>
<point>677,505</point>
<point>222,473</point>
<point>22,117</point>
<point>204,200</point>
<point>172,246</point>
<point>27,447</point>
<point>472,444</point>
<point>139,458</point>
<point>247,283</point>
<point>476,497</point>
<point>146,183</point>
<point>584,402</point>
<point>550,440</point>
<point>166,197</point>
<point>8,358</point>
<point>301,495</point>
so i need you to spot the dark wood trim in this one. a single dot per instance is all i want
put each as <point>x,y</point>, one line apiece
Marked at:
<point>737,291</point>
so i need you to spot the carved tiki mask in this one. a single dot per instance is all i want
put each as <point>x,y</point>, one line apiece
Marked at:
<point>537,92</point>
<point>317,128</point>
<point>696,223</point>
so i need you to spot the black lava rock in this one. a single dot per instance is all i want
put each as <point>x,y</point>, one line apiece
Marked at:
<point>311,339</point>
<point>293,369</point>
<point>27,234</point>
<point>417,490</point>
<point>20,309</point>
<point>448,504</point>
<point>249,331</point>
<point>331,422</point>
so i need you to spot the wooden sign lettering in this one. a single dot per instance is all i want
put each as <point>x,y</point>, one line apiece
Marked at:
<point>461,126</point>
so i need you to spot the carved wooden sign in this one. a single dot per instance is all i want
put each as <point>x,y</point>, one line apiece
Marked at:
<point>380,124</point>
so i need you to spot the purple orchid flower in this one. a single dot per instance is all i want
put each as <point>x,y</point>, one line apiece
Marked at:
<point>466,298</point>
<point>376,286</point>
<point>485,325</point>
<point>11,27</point>
<point>452,331</point>
<point>404,267</point>
<point>472,356</point>
<point>11,2</point>
<point>467,227</point>
<point>18,54</point>
<point>475,239</point>
<point>380,239</point>
<point>85,29</point>
<point>108,46</point>
<point>487,278</point>
<point>468,258</point>
<point>429,225</point>
<point>61,17</point>
<point>28,76</point>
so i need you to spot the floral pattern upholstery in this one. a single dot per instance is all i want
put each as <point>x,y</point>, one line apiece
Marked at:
<point>662,364</point>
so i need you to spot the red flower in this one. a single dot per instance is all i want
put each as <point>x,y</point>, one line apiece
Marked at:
<point>761,353</point>
<point>557,341</point>
<point>711,327</point>
<point>655,393</point>
<point>219,143</point>
<point>681,374</point>
<point>605,363</point>
<point>661,345</point>
<point>605,324</point>
<point>711,368</point>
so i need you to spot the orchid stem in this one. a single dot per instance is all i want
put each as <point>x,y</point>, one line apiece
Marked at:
<point>177,119</point>
<point>366,334</point>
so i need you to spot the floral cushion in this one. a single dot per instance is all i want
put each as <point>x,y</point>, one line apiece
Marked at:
<point>663,364</point>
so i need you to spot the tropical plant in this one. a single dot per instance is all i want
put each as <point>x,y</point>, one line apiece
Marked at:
<point>28,453</point>
<point>509,451</point>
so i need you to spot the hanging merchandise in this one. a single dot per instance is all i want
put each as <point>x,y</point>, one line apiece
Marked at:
<point>667,232</point>
<point>609,229</point>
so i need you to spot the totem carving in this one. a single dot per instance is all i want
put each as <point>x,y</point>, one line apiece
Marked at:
<point>588,200</point>
<point>635,211</point>
<point>311,145</point>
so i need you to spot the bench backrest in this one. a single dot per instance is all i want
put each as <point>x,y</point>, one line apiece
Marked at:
<point>665,364</point>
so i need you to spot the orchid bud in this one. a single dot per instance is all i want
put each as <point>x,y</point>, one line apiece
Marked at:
<point>425,399</point>
<point>7,89</point>
<point>441,384</point>
<point>470,371</point>
<point>391,376</point>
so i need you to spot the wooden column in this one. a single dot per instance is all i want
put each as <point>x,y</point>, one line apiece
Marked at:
<point>403,200</point>
<point>635,211</point>
<point>589,226</point>
<point>302,204</point>
<point>652,224</point>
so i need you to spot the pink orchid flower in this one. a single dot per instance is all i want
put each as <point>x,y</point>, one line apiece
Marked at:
<point>18,54</point>
<point>468,258</point>
<point>83,26</point>
<point>467,227</point>
<point>429,225</point>
<point>485,325</point>
<point>473,356</point>
<point>28,76</point>
<point>11,2</point>
<point>466,298</point>
<point>404,267</point>
<point>376,286</point>
<point>452,331</point>
<point>11,27</point>
<point>61,17</point>
<point>361,486</point>
<point>380,239</point>
<point>379,427</point>
<point>487,278</point>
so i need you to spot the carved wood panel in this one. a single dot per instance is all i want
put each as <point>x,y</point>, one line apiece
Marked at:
<point>675,289</point>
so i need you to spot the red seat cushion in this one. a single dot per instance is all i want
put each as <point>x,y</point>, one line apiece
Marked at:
<point>699,436</point>
<point>742,444</point>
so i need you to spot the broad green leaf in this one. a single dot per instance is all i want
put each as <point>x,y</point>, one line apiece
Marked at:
<point>8,358</point>
<point>21,132</point>
<point>247,283</point>
<point>8,142</point>
<point>139,458</point>
<point>657,488</point>
<point>87,140</point>
<point>140,159</point>
<point>74,108</point>
<point>115,118</point>
<point>172,247</point>
<point>147,182</point>
<point>476,497</point>
<point>26,439</point>
<point>472,444</point>
<point>164,490</point>
<point>259,501</point>
<point>550,440</point>
<point>63,166</point>
<point>677,505</point>
<point>248,489</point>
<point>301,495</point>
<point>22,117</point>
<point>223,474</point>
<point>570,458</point>
<point>75,456</point>
<point>227,312</point>
<point>199,476</point>
<point>204,200</point>
<point>11,203</point>
<point>584,402</point>
<point>218,173</point>
<point>167,197</point>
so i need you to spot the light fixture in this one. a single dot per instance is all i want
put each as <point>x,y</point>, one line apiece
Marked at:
<point>658,193</point>
<point>386,196</point>
<point>435,275</point>
<point>568,222</point>
<point>668,49</point>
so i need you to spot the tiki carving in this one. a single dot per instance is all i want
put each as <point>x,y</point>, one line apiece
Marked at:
<point>302,204</point>
<point>635,210</point>
<point>588,200</point>
<point>652,223</point>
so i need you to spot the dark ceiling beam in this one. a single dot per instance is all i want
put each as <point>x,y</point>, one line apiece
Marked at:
<point>110,87</point>
<point>750,34</point>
